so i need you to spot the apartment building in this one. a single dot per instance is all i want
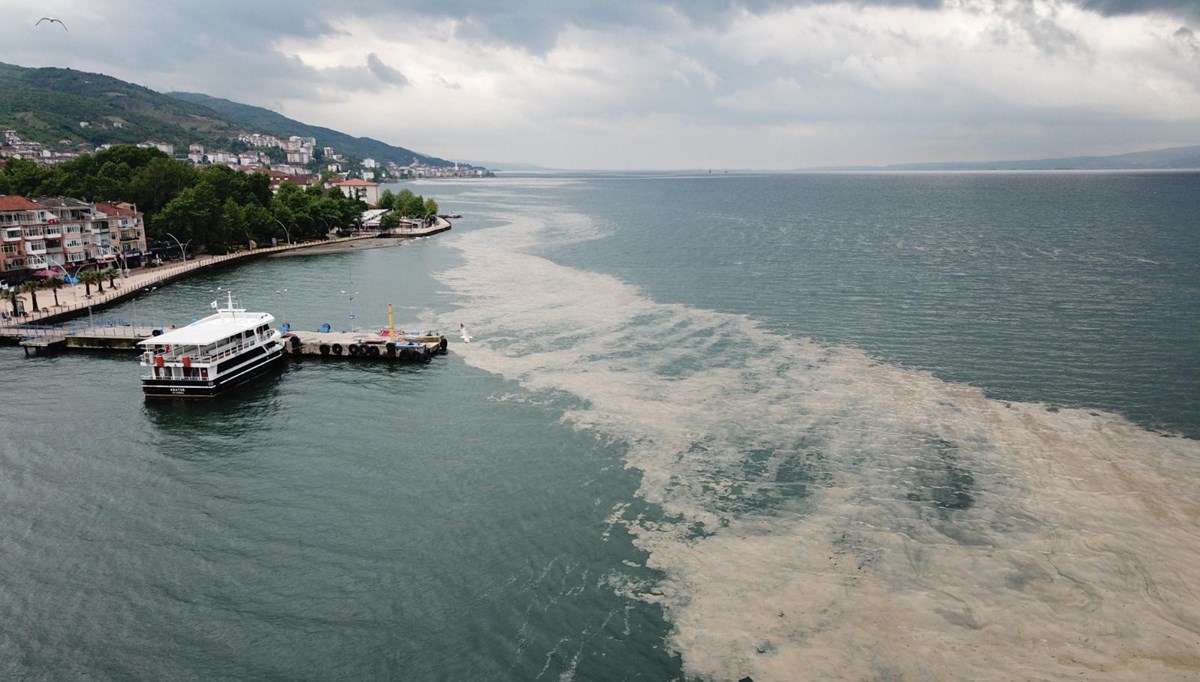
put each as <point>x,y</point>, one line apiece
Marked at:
<point>356,188</point>
<point>23,228</point>
<point>49,235</point>
<point>126,230</point>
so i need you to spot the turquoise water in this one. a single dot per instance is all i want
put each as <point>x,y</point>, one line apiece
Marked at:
<point>793,427</point>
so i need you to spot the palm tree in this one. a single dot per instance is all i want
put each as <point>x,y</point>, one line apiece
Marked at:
<point>30,287</point>
<point>12,298</point>
<point>110,274</point>
<point>88,277</point>
<point>98,280</point>
<point>54,284</point>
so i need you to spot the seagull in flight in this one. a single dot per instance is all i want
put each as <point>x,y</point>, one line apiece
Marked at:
<point>52,20</point>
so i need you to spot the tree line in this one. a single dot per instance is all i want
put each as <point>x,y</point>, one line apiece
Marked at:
<point>216,208</point>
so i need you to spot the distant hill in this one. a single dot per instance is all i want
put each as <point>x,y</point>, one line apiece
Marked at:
<point>61,108</point>
<point>262,120</point>
<point>48,105</point>
<point>1183,158</point>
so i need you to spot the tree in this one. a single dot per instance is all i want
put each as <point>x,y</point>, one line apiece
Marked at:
<point>233,222</point>
<point>404,201</point>
<point>431,207</point>
<point>54,284</point>
<point>194,214</point>
<point>22,177</point>
<point>111,274</point>
<point>88,277</point>
<point>387,199</point>
<point>390,220</point>
<point>12,298</point>
<point>30,287</point>
<point>261,226</point>
<point>158,182</point>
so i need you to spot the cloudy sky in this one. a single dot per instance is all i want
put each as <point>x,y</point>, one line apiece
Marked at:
<point>665,84</point>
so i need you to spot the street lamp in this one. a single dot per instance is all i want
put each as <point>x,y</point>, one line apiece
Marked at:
<point>285,230</point>
<point>117,254</point>
<point>181,245</point>
<point>286,326</point>
<point>328,229</point>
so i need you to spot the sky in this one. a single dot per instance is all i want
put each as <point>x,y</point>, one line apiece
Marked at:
<point>665,84</point>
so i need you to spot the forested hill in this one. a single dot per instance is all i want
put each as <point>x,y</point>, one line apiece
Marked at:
<point>48,105</point>
<point>267,121</point>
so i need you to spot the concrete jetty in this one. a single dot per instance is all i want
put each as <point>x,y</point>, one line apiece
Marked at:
<point>409,345</point>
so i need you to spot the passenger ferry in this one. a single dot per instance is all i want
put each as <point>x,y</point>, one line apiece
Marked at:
<point>212,355</point>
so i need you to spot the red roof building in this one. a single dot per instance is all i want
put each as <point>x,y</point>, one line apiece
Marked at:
<point>23,227</point>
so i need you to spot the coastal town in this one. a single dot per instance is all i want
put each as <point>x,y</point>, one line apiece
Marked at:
<point>297,159</point>
<point>46,241</point>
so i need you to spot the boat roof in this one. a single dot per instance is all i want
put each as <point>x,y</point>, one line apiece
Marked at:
<point>222,324</point>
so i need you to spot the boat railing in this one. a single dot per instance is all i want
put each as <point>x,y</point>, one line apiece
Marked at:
<point>176,354</point>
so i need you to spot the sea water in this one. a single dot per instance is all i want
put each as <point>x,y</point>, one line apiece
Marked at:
<point>932,426</point>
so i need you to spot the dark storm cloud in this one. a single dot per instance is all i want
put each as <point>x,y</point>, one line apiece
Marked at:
<point>1183,8</point>
<point>384,72</point>
<point>535,25</point>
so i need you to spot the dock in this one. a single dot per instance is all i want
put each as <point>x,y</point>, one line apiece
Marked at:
<point>412,345</point>
<point>415,345</point>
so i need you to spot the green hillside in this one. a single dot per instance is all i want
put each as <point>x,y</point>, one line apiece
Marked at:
<point>48,105</point>
<point>271,123</point>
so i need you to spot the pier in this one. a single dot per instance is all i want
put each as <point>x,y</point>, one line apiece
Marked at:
<point>409,345</point>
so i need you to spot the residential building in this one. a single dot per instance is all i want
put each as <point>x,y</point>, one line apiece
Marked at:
<point>356,188</point>
<point>126,230</point>
<point>23,226</point>
<point>164,147</point>
<point>71,237</point>
<point>58,235</point>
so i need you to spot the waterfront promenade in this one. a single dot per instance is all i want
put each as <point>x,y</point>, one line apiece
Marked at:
<point>73,300</point>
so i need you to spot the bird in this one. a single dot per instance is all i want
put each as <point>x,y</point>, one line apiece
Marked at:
<point>52,20</point>
<point>466,337</point>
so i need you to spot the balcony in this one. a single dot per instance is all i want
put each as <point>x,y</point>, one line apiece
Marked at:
<point>53,232</point>
<point>35,247</point>
<point>35,262</point>
<point>12,235</point>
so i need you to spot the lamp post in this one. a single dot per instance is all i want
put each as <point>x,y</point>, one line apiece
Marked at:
<point>285,230</point>
<point>282,314</point>
<point>119,255</point>
<point>182,253</point>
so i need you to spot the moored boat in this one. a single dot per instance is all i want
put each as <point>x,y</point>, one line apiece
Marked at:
<point>212,355</point>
